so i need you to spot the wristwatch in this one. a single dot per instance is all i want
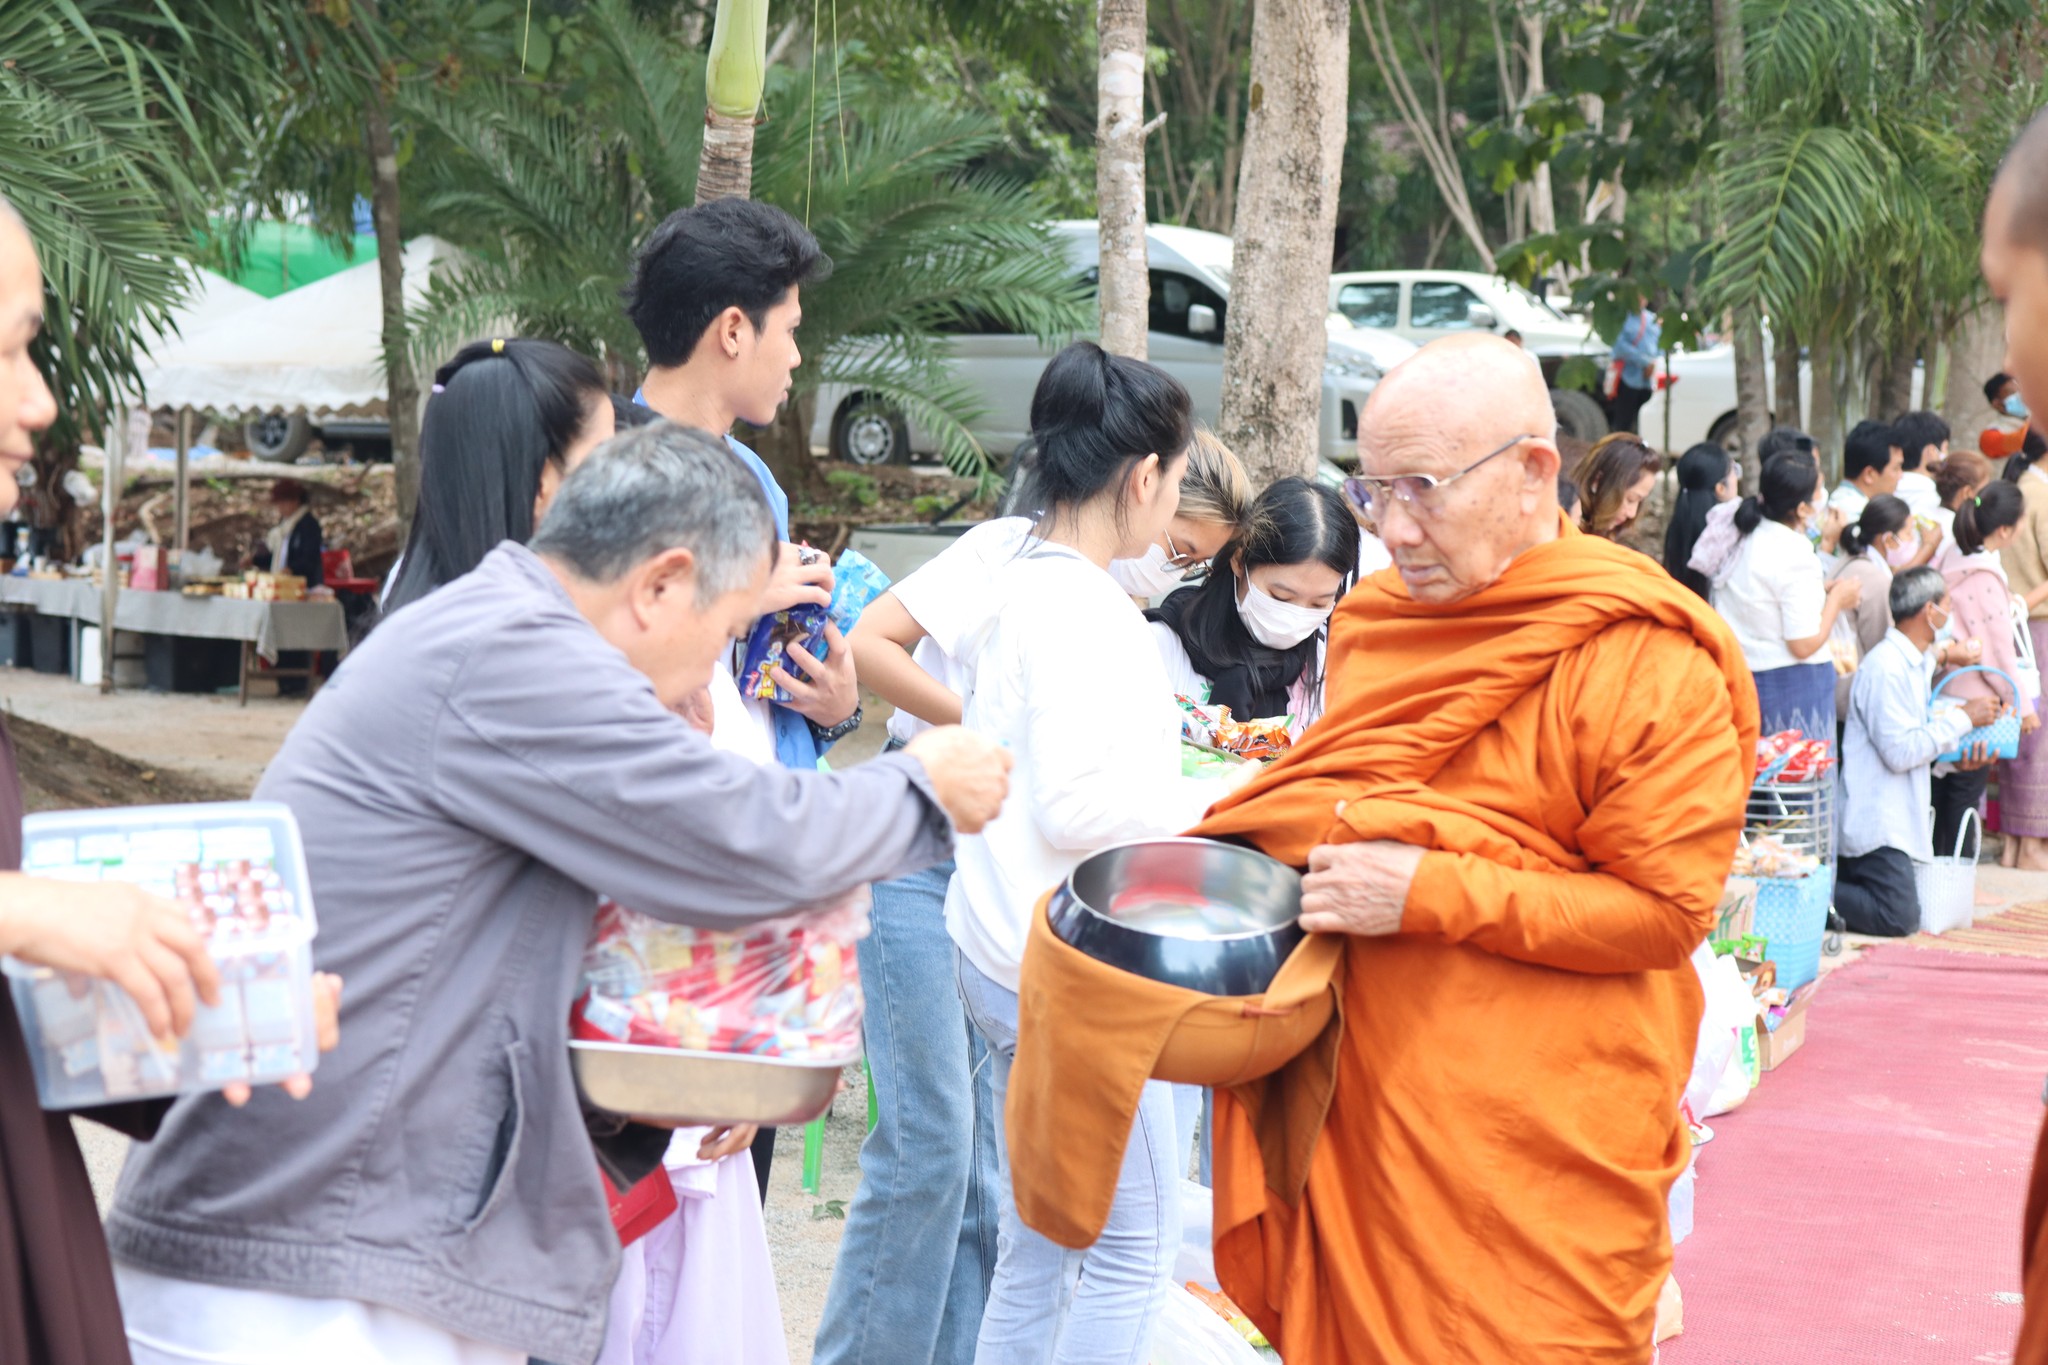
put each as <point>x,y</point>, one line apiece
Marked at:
<point>837,732</point>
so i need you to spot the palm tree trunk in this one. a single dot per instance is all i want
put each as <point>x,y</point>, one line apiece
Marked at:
<point>1785,407</point>
<point>1752,406</point>
<point>1125,290</point>
<point>735,75</point>
<point>1274,338</point>
<point>402,393</point>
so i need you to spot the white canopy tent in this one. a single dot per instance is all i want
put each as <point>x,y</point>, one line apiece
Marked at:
<point>213,298</point>
<point>317,349</point>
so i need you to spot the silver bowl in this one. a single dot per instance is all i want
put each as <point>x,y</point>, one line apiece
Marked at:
<point>1208,916</point>
<point>680,1086</point>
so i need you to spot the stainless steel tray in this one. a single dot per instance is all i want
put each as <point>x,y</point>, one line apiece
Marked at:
<point>704,1087</point>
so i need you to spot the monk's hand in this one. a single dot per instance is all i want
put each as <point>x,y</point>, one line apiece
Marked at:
<point>970,774</point>
<point>1358,888</point>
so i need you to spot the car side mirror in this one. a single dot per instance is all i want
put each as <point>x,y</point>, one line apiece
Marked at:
<point>1201,320</point>
<point>1481,317</point>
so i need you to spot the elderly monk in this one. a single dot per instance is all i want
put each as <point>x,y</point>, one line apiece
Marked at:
<point>1520,808</point>
<point>2015,262</point>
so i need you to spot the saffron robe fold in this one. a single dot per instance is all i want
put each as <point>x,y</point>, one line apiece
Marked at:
<point>1573,744</point>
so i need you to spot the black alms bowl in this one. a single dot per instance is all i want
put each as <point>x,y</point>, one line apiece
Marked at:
<point>1208,916</point>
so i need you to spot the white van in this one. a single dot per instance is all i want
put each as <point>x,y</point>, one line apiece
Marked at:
<point>1190,272</point>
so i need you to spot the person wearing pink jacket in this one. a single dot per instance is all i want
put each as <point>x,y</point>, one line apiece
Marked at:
<point>1981,600</point>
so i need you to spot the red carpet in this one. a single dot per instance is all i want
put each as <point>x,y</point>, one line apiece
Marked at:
<point>1864,1205</point>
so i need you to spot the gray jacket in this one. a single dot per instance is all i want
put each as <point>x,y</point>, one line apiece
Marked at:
<point>472,772</point>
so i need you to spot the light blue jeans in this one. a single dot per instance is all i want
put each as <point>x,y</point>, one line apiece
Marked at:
<point>920,1243</point>
<point>1093,1307</point>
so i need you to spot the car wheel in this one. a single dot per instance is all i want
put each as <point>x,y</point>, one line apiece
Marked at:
<point>1727,433</point>
<point>1578,415</point>
<point>279,437</point>
<point>868,432</point>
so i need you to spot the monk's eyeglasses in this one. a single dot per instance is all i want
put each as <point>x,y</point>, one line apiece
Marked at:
<point>1418,494</point>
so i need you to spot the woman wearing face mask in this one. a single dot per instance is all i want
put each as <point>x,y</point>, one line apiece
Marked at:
<point>1980,605</point>
<point>507,420</point>
<point>1068,680</point>
<point>1707,477</point>
<point>1251,635</point>
<point>1873,547</point>
<point>1772,593</point>
<point>1213,497</point>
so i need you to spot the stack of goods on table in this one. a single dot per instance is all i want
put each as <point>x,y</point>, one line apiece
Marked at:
<point>267,587</point>
<point>1213,741</point>
<point>239,870</point>
<point>1788,848</point>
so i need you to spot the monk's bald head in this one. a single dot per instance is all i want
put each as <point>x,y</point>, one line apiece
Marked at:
<point>1473,413</point>
<point>2015,258</point>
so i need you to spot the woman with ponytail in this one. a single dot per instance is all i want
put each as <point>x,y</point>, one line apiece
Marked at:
<point>1961,475</point>
<point>1980,604</point>
<point>1707,477</point>
<point>1773,595</point>
<point>2023,788</point>
<point>1872,547</point>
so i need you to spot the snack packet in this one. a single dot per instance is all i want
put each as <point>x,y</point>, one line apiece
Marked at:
<point>1262,740</point>
<point>788,987</point>
<point>856,581</point>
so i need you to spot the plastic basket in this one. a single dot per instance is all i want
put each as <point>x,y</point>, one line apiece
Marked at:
<point>2001,737</point>
<point>1792,914</point>
<point>1948,886</point>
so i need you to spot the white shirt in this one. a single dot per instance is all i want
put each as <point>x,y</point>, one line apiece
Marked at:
<point>185,1322</point>
<point>1889,748</point>
<point>1181,674</point>
<point>1850,499</point>
<point>949,598</point>
<point>1771,590</point>
<point>1070,682</point>
<point>1917,491</point>
<point>1373,554</point>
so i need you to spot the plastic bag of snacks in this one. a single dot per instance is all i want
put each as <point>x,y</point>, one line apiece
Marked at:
<point>1212,727</point>
<point>788,987</point>
<point>1789,756</point>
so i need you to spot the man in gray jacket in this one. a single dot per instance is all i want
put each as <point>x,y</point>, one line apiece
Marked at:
<point>489,759</point>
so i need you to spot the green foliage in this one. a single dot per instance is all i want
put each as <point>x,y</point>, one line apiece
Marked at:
<point>555,202</point>
<point>925,506</point>
<point>853,487</point>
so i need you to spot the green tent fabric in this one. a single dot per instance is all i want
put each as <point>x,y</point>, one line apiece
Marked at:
<point>284,256</point>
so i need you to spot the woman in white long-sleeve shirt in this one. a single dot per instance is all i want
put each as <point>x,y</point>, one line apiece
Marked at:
<point>1069,680</point>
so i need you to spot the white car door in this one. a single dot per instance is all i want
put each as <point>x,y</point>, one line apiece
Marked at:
<point>1438,308</point>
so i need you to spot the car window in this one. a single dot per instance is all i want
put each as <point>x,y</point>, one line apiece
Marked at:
<point>1173,294</point>
<point>1370,305</point>
<point>1440,304</point>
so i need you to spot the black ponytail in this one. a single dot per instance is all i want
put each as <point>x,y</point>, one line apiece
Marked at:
<point>1094,415</point>
<point>1998,506</point>
<point>1883,515</point>
<point>1787,481</point>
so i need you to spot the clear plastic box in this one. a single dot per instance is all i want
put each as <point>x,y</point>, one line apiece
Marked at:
<point>240,868</point>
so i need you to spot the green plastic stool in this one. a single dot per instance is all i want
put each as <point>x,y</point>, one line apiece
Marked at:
<point>814,1137</point>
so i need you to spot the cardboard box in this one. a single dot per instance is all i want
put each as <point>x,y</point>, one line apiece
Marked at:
<point>1735,917</point>
<point>1774,1047</point>
<point>152,571</point>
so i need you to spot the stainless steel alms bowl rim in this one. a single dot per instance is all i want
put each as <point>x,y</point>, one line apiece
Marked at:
<point>696,1087</point>
<point>644,1050</point>
<point>1287,880</point>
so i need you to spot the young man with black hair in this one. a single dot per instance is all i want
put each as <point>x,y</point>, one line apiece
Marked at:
<point>1870,466</point>
<point>716,298</point>
<point>1922,440</point>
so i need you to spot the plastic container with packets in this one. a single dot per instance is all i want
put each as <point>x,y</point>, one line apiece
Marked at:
<point>239,868</point>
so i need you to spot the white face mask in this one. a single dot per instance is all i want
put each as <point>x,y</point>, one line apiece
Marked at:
<point>1149,576</point>
<point>1276,624</point>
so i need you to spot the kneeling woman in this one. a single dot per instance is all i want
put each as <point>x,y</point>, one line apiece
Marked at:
<point>1252,635</point>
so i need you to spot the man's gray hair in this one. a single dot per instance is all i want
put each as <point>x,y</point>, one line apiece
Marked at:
<point>657,488</point>
<point>1914,589</point>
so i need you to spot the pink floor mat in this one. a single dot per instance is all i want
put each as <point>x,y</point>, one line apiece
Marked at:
<point>1865,1204</point>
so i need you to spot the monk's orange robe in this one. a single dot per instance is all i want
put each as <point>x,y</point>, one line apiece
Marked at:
<point>1574,744</point>
<point>2032,1346</point>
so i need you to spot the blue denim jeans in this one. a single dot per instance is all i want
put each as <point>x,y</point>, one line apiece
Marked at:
<point>920,1243</point>
<point>1092,1307</point>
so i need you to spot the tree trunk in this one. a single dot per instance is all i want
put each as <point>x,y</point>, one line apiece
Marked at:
<point>1824,422</point>
<point>1976,350</point>
<point>735,75</point>
<point>1785,388</point>
<point>1542,199</point>
<point>402,395</point>
<point>1274,339</point>
<point>1124,291</point>
<point>784,445</point>
<point>1432,134</point>
<point>1752,406</point>
<point>1894,395</point>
